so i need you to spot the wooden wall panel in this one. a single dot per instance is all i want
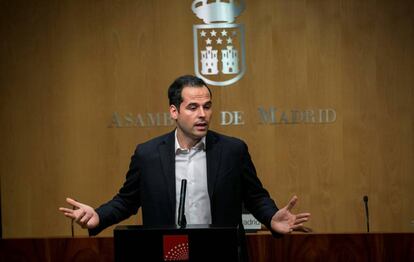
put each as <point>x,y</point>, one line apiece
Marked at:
<point>67,66</point>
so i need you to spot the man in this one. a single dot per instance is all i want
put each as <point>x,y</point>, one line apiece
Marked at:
<point>221,176</point>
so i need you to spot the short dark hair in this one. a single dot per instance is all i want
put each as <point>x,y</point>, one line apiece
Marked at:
<point>176,88</point>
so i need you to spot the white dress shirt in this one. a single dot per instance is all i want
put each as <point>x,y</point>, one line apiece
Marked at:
<point>191,164</point>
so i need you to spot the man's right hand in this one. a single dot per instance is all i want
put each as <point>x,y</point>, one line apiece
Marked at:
<point>82,214</point>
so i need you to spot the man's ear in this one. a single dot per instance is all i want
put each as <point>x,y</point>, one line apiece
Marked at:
<point>173,112</point>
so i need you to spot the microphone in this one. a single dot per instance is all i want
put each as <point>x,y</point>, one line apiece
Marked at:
<point>182,222</point>
<point>366,211</point>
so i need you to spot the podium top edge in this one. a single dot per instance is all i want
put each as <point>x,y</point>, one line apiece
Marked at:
<point>169,227</point>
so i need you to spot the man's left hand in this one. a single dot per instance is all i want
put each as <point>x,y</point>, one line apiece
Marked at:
<point>283,221</point>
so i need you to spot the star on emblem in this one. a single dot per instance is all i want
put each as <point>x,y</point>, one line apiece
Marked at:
<point>203,33</point>
<point>208,41</point>
<point>219,41</point>
<point>229,40</point>
<point>224,32</point>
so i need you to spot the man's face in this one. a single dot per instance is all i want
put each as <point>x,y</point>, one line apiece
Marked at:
<point>195,111</point>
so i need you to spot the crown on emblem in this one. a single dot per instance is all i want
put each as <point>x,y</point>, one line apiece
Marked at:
<point>217,11</point>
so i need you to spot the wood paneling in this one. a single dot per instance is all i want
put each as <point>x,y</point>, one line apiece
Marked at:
<point>67,66</point>
<point>261,247</point>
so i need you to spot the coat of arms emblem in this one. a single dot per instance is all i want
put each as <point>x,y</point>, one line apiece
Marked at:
<point>219,52</point>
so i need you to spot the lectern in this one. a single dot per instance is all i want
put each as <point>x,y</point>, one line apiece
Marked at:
<point>172,243</point>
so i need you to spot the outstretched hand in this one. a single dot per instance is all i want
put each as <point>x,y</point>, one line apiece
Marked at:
<point>283,221</point>
<point>82,214</point>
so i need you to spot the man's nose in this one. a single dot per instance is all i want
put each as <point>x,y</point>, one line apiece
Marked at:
<point>201,112</point>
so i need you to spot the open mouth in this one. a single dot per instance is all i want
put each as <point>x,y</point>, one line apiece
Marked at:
<point>202,125</point>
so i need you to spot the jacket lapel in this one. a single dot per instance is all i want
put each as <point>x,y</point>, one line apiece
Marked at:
<point>213,154</point>
<point>167,155</point>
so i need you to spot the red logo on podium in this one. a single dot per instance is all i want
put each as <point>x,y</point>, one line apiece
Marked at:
<point>176,248</point>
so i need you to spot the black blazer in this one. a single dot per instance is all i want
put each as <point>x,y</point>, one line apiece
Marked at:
<point>150,184</point>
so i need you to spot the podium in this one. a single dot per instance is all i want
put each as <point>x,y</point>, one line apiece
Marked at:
<point>171,243</point>
<point>262,246</point>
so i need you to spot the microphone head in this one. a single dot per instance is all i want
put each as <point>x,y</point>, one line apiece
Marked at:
<point>365,198</point>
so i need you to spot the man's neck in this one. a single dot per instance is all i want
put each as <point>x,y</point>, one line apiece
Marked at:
<point>186,142</point>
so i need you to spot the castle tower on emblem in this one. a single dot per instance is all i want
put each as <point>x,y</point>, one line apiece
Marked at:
<point>229,60</point>
<point>209,61</point>
<point>219,51</point>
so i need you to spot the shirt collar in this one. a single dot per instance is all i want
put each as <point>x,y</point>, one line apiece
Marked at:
<point>200,145</point>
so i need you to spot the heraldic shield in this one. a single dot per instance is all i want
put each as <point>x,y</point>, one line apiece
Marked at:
<point>219,53</point>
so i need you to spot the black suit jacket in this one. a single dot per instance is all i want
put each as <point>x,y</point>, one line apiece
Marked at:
<point>150,184</point>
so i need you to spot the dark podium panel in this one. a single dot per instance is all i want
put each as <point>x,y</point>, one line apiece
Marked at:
<point>169,243</point>
<point>378,247</point>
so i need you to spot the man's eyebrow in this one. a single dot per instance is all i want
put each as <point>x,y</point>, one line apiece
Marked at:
<point>196,104</point>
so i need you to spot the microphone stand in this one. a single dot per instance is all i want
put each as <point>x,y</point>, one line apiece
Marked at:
<point>366,211</point>
<point>182,221</point>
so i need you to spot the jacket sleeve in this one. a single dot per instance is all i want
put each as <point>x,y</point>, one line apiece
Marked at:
<point>125,203</point>
<point>256,198</point>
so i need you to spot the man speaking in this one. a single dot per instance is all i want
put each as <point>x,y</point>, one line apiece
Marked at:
<point>220,175</point>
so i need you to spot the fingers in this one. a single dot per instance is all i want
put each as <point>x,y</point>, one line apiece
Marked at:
<point>301,228</point>
<point>72,202</point>
<point>298,225</point>
<point>292,203</point>
<point>69,215</point>
<point>300,221</point>
<point>82,217</point>
<point>85,219</point>
<point>301,218</point>
<point>82,214</point>
<point>303,215</point>
<point>296,228</point>
<point>79,214</point>
<point>65,210</point>
<point>306,229</point>
<point>70,212</point>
